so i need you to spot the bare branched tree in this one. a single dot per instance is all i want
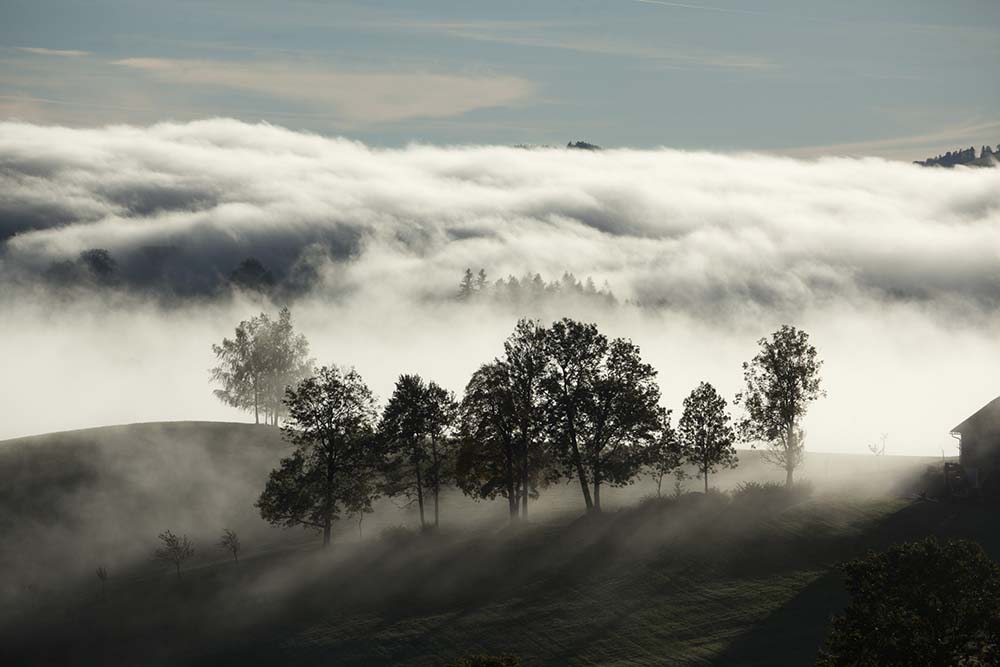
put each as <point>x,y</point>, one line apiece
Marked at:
<point>230,541</point>
<point>102,575</point>
<point>175,550</point>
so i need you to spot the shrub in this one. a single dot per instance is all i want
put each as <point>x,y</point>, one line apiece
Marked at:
<point>397,534</point>
<point>716,496</point>
<point>771,494</point>
<point>919,603</point>
<point>488,661</point>
<point>752,489</point>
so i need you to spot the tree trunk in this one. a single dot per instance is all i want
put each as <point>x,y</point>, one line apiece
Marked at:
<point>420,495</point>
<point>582,476</point>
<point>512,499</point>
<point>177,566</point>
<point>328,499</point>
<point>597,484</point>
<point>524,483</point>
<point>659,485</point>
<point>437,481</point>
<point>359,525</point>
<point>437,493</point>
<point>790,454</point>
<point>704,473</point>
<point>578,461</point>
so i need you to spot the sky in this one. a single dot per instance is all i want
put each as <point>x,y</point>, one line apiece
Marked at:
<point>366,154</point>
<point>891,267</point>
<point>901,79</point>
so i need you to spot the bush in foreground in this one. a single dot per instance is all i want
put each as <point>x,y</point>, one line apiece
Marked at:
<point>771,494</point>
<point>919,603</point>
<point>488,661</point>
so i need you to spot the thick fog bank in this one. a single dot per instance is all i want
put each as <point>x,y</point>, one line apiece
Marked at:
<point>892,268</point>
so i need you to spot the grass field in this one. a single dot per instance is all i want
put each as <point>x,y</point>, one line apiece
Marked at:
<point>689,581</point>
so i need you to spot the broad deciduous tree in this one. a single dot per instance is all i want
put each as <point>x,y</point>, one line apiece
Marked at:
<point>488,459</point>
<point>415,431</point>
<point>667,454</point>
<point>331,419</point>
<point>705,432</point>
<point>441,418</point>
<point>255,366</point>
<point>919,603</point>
<point>527,365</point>
<point>602,406</point>
<point>781,381</point>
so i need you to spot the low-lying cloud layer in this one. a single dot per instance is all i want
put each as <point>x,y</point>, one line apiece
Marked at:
<point>893,268</point>
<point>180,205</point>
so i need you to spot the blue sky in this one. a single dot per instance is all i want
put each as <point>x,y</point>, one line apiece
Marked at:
<point>897,78</point>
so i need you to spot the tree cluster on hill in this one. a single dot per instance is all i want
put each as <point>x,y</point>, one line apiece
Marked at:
<point>561,402</point>
<point>95,267</point>
<point>530,289</point>
<point>255,366</point>
<point>987,157</point>
<point>252,275</point>
<point>583,145</point>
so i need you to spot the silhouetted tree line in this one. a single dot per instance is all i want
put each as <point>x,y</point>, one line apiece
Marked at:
<point>583,145</point>
<point>94,267</point>
<point>98,268</point>
<point>529,289</point>
<point>251,274</point>
<point>562,402</point>
<point>962,156</point>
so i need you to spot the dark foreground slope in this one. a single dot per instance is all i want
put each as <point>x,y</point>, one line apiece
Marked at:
<point>72,501</point>
<point>691,581</point>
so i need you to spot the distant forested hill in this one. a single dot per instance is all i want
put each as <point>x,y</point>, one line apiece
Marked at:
<point>988,157</point>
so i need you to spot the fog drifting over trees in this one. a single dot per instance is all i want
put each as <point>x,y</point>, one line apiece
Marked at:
<point>893,269</point>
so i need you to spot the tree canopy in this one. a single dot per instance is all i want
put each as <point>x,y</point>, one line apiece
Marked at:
<point>667,454</point>
<point>602,406</point>
<point>919,603</point>
<point>255,366</point>
<point>487,460</point>
<point>780,383</point>
<point>415,431</point>
<point>331,419</point>
<point>705,433</point>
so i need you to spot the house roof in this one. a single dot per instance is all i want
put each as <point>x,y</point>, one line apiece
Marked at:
<point>988,414</point>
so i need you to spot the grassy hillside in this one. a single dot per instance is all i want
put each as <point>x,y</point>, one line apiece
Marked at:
<point>693,581</point>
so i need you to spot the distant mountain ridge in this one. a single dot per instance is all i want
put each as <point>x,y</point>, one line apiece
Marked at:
<point>988,157</point>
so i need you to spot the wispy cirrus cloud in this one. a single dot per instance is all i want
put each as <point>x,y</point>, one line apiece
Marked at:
<point>583,38</point>
<point>362,97</point>
<point>926,143</point>
<point>62,53</point>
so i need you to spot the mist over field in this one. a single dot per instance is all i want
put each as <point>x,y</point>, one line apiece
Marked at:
<point>892,268</point>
